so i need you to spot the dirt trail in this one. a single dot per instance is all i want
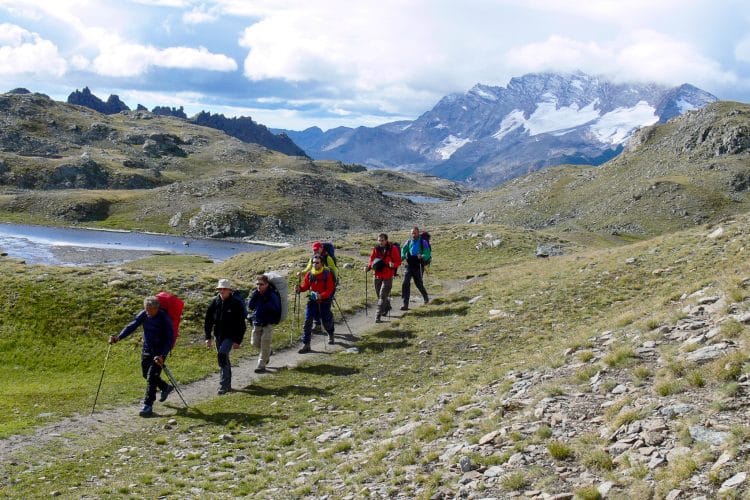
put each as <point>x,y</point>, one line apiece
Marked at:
<point>68,432</point>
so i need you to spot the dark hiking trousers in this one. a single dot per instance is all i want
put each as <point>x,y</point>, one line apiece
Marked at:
<point>152,373</point>
<point>223,348</point>
<point>412,271</point>
<point>320,311</point>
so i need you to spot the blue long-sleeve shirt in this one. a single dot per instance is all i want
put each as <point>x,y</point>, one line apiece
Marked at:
<point>266,306</point>
<point>158,333</point>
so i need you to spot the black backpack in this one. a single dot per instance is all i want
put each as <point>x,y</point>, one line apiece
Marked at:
<point>330,250</point>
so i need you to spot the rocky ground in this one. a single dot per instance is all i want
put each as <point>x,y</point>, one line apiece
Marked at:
<point>615,430</point>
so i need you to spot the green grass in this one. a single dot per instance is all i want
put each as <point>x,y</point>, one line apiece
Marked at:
<point>55,322</point>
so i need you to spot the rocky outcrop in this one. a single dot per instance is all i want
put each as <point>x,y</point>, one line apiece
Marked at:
<point>246,130</point>
<point>86,98</point>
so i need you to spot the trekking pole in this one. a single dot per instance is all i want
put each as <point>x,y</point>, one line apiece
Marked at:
<point>174,384</point>
<point>325,333</point>
<point>106,358</point>
<point>343,317</point>
<point>365,292</point>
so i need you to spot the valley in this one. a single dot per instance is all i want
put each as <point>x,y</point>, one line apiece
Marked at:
<point>614,367</point>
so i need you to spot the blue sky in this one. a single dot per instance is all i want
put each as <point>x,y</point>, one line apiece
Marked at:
<point>298,63</point>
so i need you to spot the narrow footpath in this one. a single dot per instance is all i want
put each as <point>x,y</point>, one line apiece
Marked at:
<point>72,432</point>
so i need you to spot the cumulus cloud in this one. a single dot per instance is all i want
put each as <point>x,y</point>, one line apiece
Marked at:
<point>125,59</point>
<point>22,51</point>
<point>640,55</point>
<point>200,15</point>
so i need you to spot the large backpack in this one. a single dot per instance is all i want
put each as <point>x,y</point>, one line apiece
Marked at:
<point>330,250</point>
<point>173,306</point>
<point>425,237</point>
<point>280,287</point>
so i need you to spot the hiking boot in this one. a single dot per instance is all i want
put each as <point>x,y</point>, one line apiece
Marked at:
<point>146,411</point>
<point>224,390</point>
<point>260,370</point>
<point>166,392</point>
<point>331,340</point>
<point>378,320</point>
<point>426,299</point>
<point>305,349</point>
<point>404,308</point>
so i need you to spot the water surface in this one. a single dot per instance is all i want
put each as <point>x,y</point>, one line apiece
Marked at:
<point>76,246</point>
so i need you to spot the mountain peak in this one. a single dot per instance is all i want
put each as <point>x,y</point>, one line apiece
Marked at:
<point>491,134</point>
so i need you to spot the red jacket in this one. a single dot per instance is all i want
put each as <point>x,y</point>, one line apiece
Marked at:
<point>321,283</point>
<point>392,258</point>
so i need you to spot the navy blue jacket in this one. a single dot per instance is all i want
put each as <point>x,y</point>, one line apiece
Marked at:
<point>158,333</point>
<point>266,306</point>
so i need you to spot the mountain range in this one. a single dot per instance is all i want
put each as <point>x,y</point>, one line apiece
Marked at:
<point>489,135</point>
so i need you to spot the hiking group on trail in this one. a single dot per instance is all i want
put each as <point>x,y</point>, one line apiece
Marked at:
<point>226,314</point>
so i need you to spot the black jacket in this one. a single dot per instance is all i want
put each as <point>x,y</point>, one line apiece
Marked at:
<point>226,318</point>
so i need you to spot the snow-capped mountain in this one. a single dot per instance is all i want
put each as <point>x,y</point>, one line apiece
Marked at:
<point>489,135</point>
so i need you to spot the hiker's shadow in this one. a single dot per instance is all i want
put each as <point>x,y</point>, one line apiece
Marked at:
<point>297,390</point>
<point>386,339</point>
<point>222,418</point>
<point>324,369</point>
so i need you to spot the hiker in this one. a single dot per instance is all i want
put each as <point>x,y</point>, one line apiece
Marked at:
<point>329,262</point>
<point>266,307</point>
<point>319,281</point>
<point>158,337</point>
<point>226,318</point>
<point>385,259</point>
<point>414,252</point>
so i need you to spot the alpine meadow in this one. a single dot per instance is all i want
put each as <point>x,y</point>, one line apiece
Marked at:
<point>587,334</point>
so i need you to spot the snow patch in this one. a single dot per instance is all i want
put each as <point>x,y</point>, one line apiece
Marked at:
<point>484,94</point>
<point>449,146</point>
<point>616,126</point>
<point>512,121</point>
<point>547,117</point>
<point>685,106</point>
<point>338,142</point>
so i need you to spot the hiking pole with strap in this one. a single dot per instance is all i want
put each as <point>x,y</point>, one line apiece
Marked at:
<point>325,333</point>
<point>365,292</point>
<point>174,383</point>
<point>343,317</point>
<point>106,358</point>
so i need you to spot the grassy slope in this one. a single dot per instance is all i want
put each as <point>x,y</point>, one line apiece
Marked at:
<point>445,351</point>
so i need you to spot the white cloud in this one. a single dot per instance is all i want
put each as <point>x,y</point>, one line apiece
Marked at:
<point>200,15</point>
<point>122,60</point>
<point>641,55</point>
<point>24,52</point>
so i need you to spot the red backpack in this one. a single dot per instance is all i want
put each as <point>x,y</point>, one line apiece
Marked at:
<point>173,305</point>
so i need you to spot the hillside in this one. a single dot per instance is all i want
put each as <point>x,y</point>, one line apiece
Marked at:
<point>66,164</point>
<point>694,169</point>
<point>243,128</point>
<point>618,373</point>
